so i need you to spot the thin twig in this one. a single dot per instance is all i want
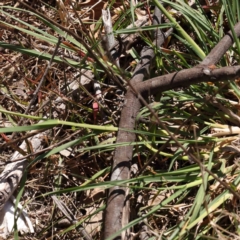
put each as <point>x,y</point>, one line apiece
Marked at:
<point>107,69</point>
<point>66,139</point>
<point>234,117</point>
<point>35,94</point>
<point>69,215</point>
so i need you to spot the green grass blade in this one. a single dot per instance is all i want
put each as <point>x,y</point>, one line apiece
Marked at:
<point>51,123</point>
<point>181,31</point>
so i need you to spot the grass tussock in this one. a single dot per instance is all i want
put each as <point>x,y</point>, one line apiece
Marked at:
<point>171,197</point>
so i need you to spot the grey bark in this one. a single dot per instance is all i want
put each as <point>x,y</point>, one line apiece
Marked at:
<point>117,211</point>
<point>116,204</point>
<point>187,77</point>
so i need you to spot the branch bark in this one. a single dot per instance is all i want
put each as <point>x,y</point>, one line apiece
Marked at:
<point>117,211</point>
<point>187,77</point>
<point>200,73</point>
<point>221,48</point>
<point>117,205</point>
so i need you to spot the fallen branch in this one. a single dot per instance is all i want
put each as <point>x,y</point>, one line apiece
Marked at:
<point>221,48</point>
<point>187,77</point>
<point>201,73</point>
<point>117,211</point>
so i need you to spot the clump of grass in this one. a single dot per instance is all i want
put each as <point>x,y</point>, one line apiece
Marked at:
<point>171,194</point>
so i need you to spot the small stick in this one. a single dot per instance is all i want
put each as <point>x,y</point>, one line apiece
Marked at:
<point>110,41</point>
<point>35,94</point>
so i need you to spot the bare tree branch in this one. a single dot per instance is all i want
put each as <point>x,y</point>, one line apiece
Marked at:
<point>117,211</point>
<point>221,48</point>
<point>116,201</point>
<point>187,77</point>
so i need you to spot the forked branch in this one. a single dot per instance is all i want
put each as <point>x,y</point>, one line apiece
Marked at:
<point>117,203</point>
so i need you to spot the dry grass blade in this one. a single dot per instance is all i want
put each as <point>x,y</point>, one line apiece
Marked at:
<point>175,170</point>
